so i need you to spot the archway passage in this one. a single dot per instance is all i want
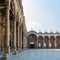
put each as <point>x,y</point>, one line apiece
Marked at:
<point>46,42</point>
<point>32,45</point>
<point>40,42</point>
<point>32,41</point>
<point>57,42</point>
<point>52,42</point>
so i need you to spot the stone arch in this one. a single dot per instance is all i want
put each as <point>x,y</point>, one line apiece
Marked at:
<point>32,41</point>
<point>40,41</point>
<point>31,32</point>
<point>52,42</point>
<point>46,42</point>
<point>57,41</point>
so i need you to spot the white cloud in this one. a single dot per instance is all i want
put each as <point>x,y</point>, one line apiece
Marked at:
<point>32,25</point>
<point>40,14</point>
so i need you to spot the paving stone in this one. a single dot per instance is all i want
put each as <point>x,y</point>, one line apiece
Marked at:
<point>37,54</point>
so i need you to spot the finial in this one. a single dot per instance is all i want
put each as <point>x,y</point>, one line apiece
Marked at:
<point>31,29</point>
<point>57,31</point>
<point>51,31</point>
<point>40,31</point>
<point>46,31</point>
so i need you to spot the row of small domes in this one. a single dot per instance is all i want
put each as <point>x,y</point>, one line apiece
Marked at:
<point>46,31</point>
<point>49,32</point>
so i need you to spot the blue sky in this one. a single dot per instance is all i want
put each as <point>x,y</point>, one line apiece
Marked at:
<point>42,15</point>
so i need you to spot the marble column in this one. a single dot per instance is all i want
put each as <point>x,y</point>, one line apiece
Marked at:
<point>14,36</point>
<point>18,39</point>
<point>37,43</point>
<point>0,39</point>
<point>43,43</point>
<point>21,39</point>
<point>55,44</point>
<point>7,49</point>
<point>49,43</point>
<point>2,36</point>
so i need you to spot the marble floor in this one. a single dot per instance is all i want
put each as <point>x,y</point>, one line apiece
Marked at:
<point>37,54</point>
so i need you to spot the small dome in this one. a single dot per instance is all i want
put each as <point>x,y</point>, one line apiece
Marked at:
<point>40,32</point>
<point>57,31</point>
<point>51,31</point>
<point>46,32</point>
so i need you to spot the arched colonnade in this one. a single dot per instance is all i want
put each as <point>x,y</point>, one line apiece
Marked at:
<point>43,40</point>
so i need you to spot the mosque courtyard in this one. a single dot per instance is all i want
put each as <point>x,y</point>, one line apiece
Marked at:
<point>37,54</point>
<point>17,42</point>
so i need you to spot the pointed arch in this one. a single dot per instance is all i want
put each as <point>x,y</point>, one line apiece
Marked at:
<point>58,41</point>
<point>46,42</point>
<point>40,41</point>
<point>52,41</point>
<point>32,38</point>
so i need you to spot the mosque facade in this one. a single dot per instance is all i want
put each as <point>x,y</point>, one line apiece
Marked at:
<point>43,40</point>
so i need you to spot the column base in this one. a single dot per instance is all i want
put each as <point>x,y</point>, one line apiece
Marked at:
<point>19,50</point>
<point>4,57</point>
<point>15,52</point>
<point>7,50</point>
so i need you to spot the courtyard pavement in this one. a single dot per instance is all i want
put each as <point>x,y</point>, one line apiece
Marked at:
<point>37,54</point>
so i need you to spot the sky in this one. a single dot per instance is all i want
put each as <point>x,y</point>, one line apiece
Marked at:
<point>42,15</point>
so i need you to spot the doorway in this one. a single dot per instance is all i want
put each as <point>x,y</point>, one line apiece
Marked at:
<point>32,45</point>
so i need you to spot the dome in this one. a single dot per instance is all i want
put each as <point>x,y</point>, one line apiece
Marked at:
<point>57,31</point>
<point>45,32</point>
<point>51,31</point>
<point>40,32</point>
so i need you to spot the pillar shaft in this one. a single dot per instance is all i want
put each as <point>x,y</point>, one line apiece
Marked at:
<point>18,38</point>
<point>55,43</point>
<point>2,37</point>
<point>7,30</point>
<point>37,43</point>
<point>21,39</point>
<point>43,43</point>
<point>49,43</point>
<point>14,36</point>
